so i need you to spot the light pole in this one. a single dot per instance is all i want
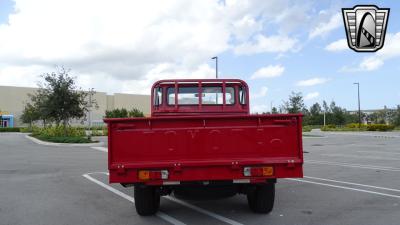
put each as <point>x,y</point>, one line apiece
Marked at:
<point>271,106</point>
<point>90,107</point>
<point>359,108</point>
<point>216,66</point>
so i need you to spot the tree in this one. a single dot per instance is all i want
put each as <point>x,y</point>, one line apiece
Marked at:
<point>337,114</point>
<point>60,100</point>
<point>315,109</point>
<point>39,102</point>
<point>325,106</point>
<point>30,114</point>
<point>396,117</point>
<point>274,110</point>
<point>315,116</point>
<point>295,103</point>
<point>64,100</point>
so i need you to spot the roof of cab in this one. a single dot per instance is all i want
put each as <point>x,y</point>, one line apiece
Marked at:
<point>180,81</point>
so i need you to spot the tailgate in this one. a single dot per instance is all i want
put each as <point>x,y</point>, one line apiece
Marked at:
<point>205,141</point>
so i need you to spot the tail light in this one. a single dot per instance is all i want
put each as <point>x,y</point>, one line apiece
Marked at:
<point>258,171</point>
<point>153,174</point>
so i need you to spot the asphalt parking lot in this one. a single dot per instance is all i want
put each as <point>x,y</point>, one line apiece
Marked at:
<point>349,179</point>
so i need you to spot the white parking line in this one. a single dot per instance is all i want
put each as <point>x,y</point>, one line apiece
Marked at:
<point>198,209</point>
<point>206,212</point>
<point>131,199</point>
<point>184,203</point>
<point>103,149</point>
<point>361,166</point>
<point>361,156</point>
<point>380,152</point>
<point>344,187</point>
<point>356,184</point>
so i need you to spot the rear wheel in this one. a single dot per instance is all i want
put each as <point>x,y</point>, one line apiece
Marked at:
<point>261,198</point>
<point>147,200</point>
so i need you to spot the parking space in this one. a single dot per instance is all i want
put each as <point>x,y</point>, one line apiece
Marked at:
<point>349,179</point>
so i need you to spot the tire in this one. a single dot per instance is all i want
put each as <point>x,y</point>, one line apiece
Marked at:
<point>147,200</point>
<point>261,198</point>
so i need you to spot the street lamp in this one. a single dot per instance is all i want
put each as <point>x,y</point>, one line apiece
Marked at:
<point>216,66</point>
<point>90,107</point>
<point>271,106</point>
<point>359,108</point>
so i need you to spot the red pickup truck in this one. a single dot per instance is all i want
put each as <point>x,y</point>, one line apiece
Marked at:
<point>201,136</point>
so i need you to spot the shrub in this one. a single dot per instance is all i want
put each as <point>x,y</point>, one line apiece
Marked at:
<point>25,129</point>
<point>135,113</point>
<point>96,128</point>
<point>123,113</point>
<point>307,128</point>
<point>364,127</point>
<point>352,125</point>
<point>117,113</point>
<point>105,131</point>
<point>380,127</point>
<point>58,131</point>
<point>356,125</point>
<point>329,127</point>
<point>325,128</point>
<point>56,134</point>
<point>97,133</point>
<point>36,131</point>
<point>9,129</point>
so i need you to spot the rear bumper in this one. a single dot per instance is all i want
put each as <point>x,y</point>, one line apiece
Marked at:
<point>179,173</point>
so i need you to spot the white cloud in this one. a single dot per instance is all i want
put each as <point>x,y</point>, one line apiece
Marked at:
<point>324,28</point>
<point>268,72</point>
<point>337,46</point>
<point>295,17</point>
<point>276,44</point>
<point>124,45</point>
<point>246,26</point>
<point>311,96</point>
<point>262,93</point>
<point>23,76</point>
<point>391,49</point>
<point>259,108</point>
<point>120,41</point>
<point>370,63</point>
<point>312,82</point>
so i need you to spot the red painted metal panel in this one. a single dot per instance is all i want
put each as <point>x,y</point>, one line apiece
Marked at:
<point>195,148</point>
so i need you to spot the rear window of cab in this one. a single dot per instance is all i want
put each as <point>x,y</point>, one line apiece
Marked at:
<point>210,95</point>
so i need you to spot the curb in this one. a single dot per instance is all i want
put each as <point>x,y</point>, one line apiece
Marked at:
<point>40,142</point>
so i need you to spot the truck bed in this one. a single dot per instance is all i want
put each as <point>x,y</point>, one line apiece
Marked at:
<point>204,148</point>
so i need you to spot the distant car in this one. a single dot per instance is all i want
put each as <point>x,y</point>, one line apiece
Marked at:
<point>200,136</point>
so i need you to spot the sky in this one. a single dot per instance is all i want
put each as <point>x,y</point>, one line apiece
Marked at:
<point>123,46</point>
